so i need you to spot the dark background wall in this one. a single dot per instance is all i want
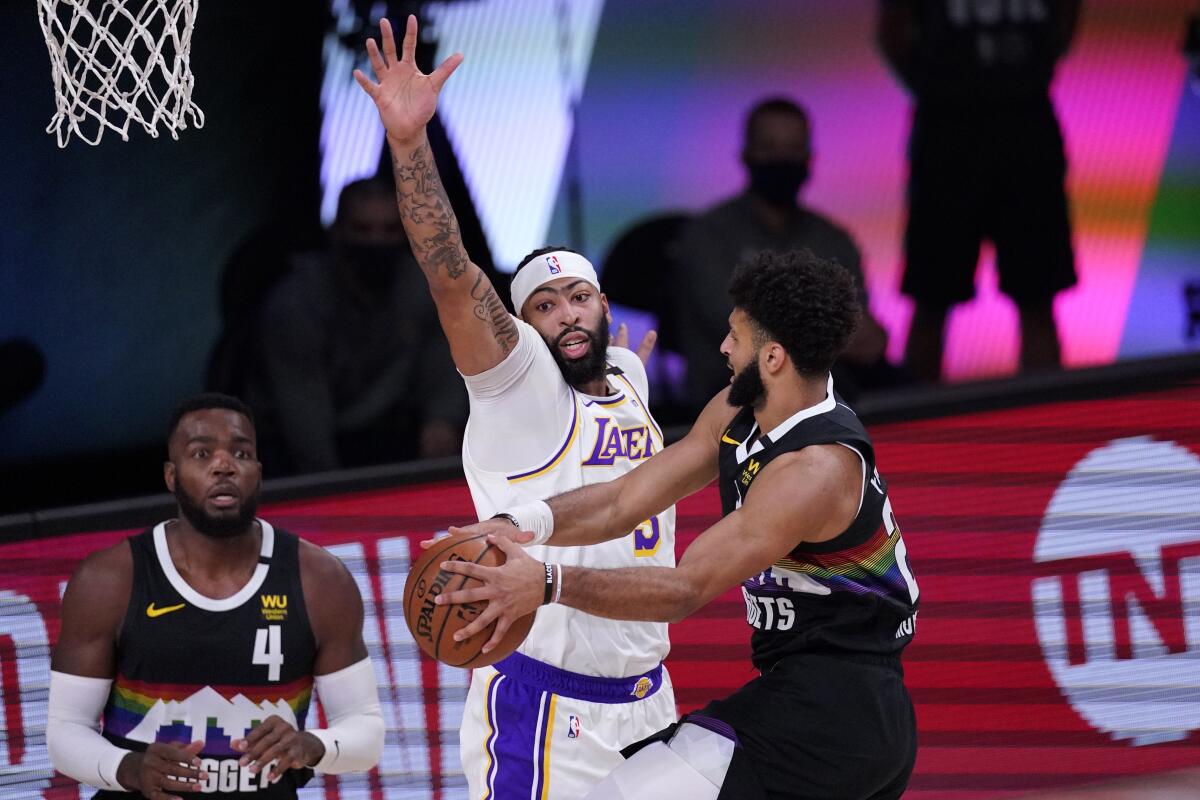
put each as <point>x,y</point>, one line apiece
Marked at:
<point>110,256</point>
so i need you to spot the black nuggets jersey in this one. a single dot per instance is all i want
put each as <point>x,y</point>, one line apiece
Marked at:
<point>984,52</point>
<point>192,668</point>
<point>854,593</point>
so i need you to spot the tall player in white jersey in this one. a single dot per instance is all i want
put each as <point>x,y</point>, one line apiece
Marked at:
<point>553,407</point>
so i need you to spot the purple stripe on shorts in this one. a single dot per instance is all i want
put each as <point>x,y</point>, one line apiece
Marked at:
<point>491,740</point>
<point>516,739</point>
<point>713,724</point>
<point>588,688</point>
<point>540,745</point>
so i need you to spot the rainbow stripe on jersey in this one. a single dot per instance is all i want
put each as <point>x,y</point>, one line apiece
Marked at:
<point>182,713</point>
<point>867,568</point>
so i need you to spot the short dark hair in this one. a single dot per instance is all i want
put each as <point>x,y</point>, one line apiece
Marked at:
<point>358,190</point>
<point>772,105</point>
<point>541,251</point>
<point>202,402</point>
<point>806,303</point>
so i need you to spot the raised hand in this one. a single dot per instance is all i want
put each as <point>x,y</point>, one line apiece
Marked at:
<point>163,771</point>
<point>277,744</point>
<point>621,339</point>
<point>406,97</point>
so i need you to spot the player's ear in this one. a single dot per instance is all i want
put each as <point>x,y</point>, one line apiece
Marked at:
<point>607,311</point>
<point>776,357</point>
<point>169,476</point>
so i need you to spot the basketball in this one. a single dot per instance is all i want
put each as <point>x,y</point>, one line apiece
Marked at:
<point>434,626</point>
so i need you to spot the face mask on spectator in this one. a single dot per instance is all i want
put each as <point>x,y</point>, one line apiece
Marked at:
<point>778,182</point>
<point>373,264</point>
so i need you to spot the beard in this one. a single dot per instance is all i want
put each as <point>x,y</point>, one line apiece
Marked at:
<point>217,527</point>
<point>747,388</point>
<point>593,365</point>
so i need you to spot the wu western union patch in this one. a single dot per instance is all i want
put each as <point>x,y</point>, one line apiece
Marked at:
<point>274,607</point>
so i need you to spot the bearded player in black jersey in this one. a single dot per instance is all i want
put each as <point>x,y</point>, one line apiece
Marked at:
<point>198,643</point>
<point>809,534</point>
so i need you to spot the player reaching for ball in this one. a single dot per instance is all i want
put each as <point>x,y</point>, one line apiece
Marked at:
<point>809,534</point>
<point>553,406</point>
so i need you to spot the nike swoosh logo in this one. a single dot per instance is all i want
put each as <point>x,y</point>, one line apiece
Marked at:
<point>725,438</point>
<point>153,612</point>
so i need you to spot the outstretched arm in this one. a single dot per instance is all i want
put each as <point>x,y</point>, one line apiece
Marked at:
<point>603,511</point>
<point>479,328</point>
<point>811,495</point>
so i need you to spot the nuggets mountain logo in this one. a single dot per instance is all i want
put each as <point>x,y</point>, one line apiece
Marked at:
<point>1116,592</point>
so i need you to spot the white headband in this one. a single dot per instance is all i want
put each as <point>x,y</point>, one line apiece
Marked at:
<point>545,268</point>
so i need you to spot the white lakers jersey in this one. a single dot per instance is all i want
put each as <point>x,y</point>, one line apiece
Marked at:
<point>531,436</point>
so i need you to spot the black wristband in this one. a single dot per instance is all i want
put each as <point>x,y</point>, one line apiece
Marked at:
<point>508,517</point>
<point>548,595</point>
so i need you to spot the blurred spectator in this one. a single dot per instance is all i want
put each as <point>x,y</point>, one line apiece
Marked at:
<point>766,216</point>
<point>641,271</point>
<point>22,370</point>
<point>259,261</point>
<point>986,161</point>
<point>349,366</point>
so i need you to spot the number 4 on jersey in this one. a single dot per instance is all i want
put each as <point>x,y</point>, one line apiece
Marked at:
<point>268,650</point>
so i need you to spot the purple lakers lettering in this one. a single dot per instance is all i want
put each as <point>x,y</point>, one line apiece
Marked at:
<point>646,538</point>
<point>614,442</point>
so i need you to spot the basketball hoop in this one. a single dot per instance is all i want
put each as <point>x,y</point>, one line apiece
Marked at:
<point>120,61</point>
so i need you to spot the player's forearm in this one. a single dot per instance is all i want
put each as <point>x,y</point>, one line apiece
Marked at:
<point>478,327</point>
<point>592,514</point>
<point>429,220</point>
<point>73,739</point>
<point>353,738</point>
<point>652,594</point>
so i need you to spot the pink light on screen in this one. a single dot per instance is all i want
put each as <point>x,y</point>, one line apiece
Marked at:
<point>1116,94</point>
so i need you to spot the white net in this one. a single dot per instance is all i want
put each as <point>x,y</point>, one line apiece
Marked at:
<point>117,62</point>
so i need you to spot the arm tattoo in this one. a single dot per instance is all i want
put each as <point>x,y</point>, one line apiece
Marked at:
<point>428,218</point>
<point>489,309</point>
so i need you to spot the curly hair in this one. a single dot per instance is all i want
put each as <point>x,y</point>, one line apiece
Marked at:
<point>806,303</point>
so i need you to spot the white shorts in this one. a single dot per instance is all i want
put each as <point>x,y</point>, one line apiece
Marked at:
<point>531,731</point>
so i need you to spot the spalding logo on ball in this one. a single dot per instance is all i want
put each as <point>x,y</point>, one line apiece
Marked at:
<point>433,626</point>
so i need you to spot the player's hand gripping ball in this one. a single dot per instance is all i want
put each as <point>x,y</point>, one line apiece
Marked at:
<point>433,626</point>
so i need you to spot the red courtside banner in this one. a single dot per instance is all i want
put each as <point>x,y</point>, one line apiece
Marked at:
<point>1057,549</point>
